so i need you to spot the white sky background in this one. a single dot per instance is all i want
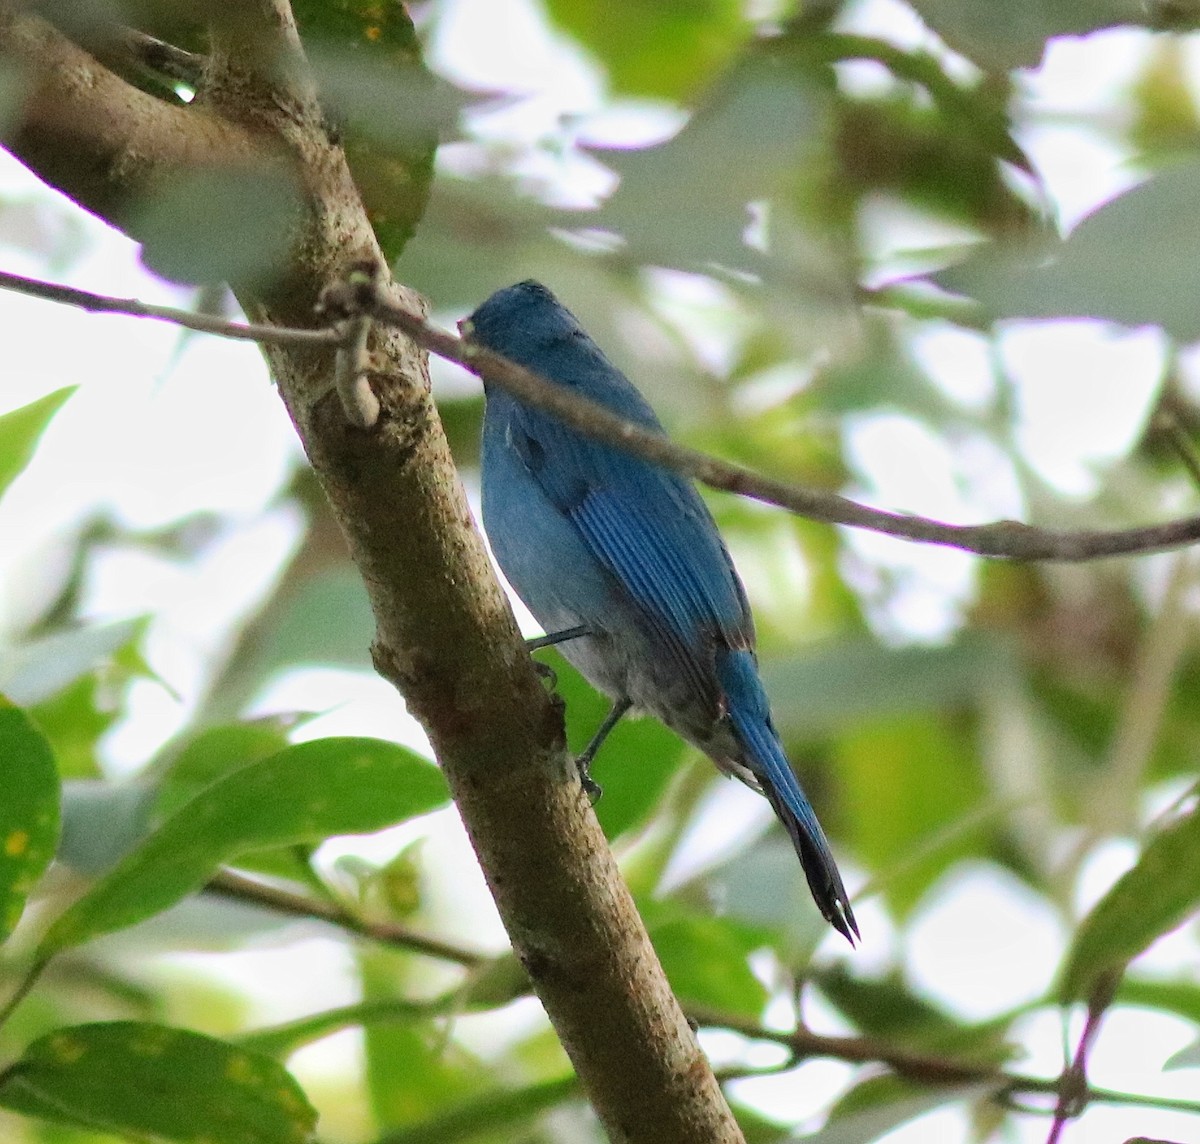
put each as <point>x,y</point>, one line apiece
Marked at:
<point>135,443</point>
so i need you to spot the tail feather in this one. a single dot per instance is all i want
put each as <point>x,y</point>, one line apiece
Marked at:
<point>751,717</point>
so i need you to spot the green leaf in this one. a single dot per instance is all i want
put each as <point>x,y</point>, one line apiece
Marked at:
<point>73,722</point>
<point>326,620</point>
<point>221,225</point>
<point>906,783</point>
<point>660,48</point>
<point>140,1079</point>
<point>389,108</point>
<point>885,1008</point>
<point>871,1109</point>
<point>1158,894</point>
<point>497,1114</point>
<point>29,815</point>
<point>1180,997</point>
<point>412,1069</point>
<point>210,755</point>
<point>705,958</point>
<point>302,794</point>
<point>764,887</point>
<point>1130,261</point>
<point>34,671</point>
<point>736,133</point>
<point>20,431</point>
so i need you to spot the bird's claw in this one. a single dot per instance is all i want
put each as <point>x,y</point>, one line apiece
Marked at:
<point>590,787</point>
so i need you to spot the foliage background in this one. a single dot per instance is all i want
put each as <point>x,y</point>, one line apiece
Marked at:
<point>826,244</point>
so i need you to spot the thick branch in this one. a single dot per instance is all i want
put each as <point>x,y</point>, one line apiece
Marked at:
<point>96,137</point>
<point>445,633</point>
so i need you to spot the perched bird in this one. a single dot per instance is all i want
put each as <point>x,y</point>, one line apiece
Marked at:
<point>620,561</point>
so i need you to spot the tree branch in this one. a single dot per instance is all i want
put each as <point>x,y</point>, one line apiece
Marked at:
<point>1004,539</point>
<point>99,139</point>
<point>250,891</point>
<point>188,319</point>
<point>445,634</point>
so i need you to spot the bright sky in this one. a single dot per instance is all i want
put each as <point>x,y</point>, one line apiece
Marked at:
<point>136,444</point>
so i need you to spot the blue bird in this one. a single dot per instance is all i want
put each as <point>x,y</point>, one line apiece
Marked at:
<point>620,561</point>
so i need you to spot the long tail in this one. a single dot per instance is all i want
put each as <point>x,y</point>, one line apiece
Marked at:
<point>751,717</point>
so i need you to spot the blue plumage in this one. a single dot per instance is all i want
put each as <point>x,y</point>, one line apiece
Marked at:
<point>592,537</point>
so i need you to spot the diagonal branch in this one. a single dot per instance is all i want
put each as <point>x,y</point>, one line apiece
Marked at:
<point>1004,539</point>
<point>104,142</point>
<point>445,634</point>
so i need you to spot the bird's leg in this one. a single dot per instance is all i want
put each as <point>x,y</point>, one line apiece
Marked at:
<point>552,638</point>
<point>584,761</point>
<point>549,640</point>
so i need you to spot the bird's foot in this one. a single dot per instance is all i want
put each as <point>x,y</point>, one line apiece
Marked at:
<point>590,787</point>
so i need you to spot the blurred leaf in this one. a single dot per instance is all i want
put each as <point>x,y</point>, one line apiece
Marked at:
<point>102,822</point>
<point>492,1116</point>
<point>1158,894</point>
<point>472,235</point>
<point>872,1108</point>
<point>729,155</point>
<point>35,671</point>
<point>20,431</point>
<point>73,721</point>
<point>1134,261</point>
<point>1186,1058</point>
<point>142,1080</point>
<point>967,109</point>
<point>209,755</point>
<point>840,683</point>
<point>904,782</point>
<point>495,983</point>
<point>705,958</point>
<point>885,1008</point>
<point>1179,997</point>
<point>326,620</point>
<point>1166,119</point>
<point>636,761</point>
<point>29,813</point>
<point>903,146</point>
<point>389,109</point>
<point>305,793</point>
<point>283,1040</point>
<point>658,48</point>
<point>999,37</point>
<point>413,1069</point>
<point>764,887</point>
<point>221,225</point>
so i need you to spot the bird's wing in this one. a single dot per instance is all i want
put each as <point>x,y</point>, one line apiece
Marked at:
<point>651,530</point>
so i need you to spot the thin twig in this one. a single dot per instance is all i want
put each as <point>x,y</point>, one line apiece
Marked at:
<point>204,323</point>
<point>930,1070</point>
<point>22,990</point>
<point>1007,539</point>
<point>1003,539</point>
<point>228,884</point>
